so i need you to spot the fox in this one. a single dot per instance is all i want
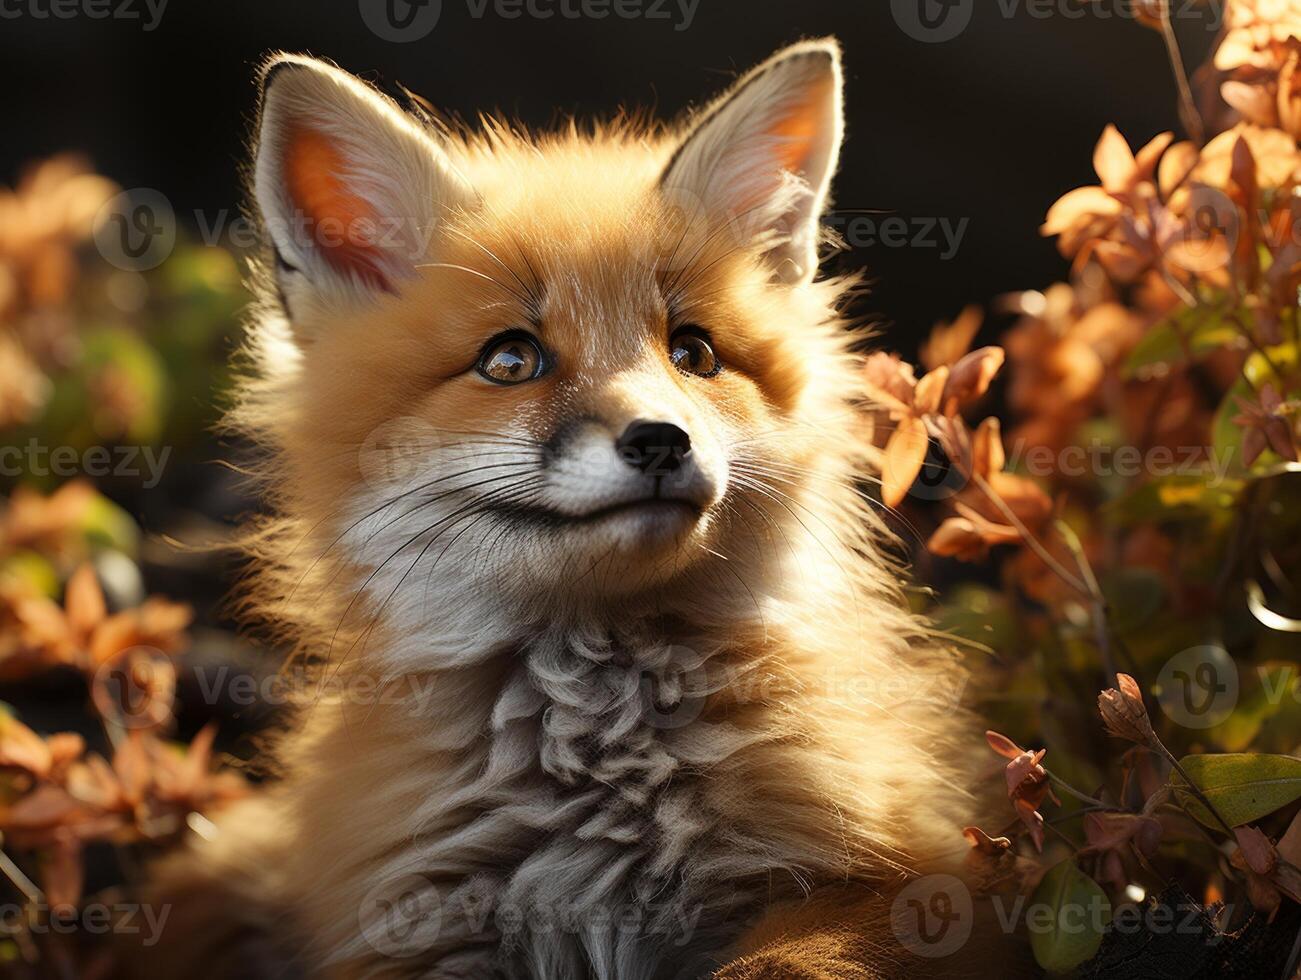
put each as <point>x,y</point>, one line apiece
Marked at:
<point>569,509</point>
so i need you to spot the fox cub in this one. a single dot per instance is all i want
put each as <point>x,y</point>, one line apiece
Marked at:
<point>614,674</point>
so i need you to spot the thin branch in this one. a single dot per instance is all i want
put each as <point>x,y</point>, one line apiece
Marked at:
<point>1031,541</point>
<point>1071,790</point>
<point>20,881</point>
<point>1188,113</point>
<point>1098,601</point>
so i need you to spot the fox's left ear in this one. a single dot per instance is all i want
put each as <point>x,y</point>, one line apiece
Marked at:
<point>762,156</point>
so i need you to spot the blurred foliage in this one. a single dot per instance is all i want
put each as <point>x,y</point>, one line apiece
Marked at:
<point>1138,529</point>
<point>99,365</point>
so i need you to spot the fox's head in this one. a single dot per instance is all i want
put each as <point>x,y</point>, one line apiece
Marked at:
<point>559,370</point>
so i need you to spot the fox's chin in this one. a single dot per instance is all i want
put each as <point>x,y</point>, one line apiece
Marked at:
<point>619,550</point>
<point>646,526</point>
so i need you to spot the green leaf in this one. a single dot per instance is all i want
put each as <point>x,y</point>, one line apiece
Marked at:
<point>977,614</point>
<point>1242,787</point>
<point>31,570</point>
<point>1226,434</point>
<point>1178,497</point>
<point>1203,331</point>
<point>1134,597</point>
<point>1260,366</point>
<point>1272,692</point>
<point>106,525</point>
<point>1079,914</point>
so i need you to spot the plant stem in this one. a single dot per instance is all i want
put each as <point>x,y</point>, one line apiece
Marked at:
<point>1188,113</point>
<point>1099,601</point>
<point>20,881</point>
<point>1031,541</point>
<point>1074,846</point>
<point>1082,797</point>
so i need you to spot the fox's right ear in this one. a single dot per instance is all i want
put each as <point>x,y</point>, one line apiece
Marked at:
<point>350,188</point>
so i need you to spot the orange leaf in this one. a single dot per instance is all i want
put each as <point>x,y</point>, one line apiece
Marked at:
<point>84,601</point>
<point>987,457</point>
<point>904,455</point>
<point>1114,160</point>
<point>950,341</point>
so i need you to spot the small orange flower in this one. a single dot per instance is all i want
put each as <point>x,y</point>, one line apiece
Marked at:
<point>1027,783</point>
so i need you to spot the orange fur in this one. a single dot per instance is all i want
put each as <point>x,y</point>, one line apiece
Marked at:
<point>831,752</point>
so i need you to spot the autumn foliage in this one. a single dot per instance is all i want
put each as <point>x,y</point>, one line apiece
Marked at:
<point>86,360</point>
<point>1138,506</point>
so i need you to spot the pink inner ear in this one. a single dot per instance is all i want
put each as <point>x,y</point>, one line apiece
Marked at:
<point>341,226</point>
<point>793,137</point>
<point>798,128</point>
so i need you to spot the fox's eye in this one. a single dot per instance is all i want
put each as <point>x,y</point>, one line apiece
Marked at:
<point>691,352</point>
<point>510,358</point>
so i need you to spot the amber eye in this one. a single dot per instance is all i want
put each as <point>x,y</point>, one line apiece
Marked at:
<point>511,358</point>
<point>692,353</point>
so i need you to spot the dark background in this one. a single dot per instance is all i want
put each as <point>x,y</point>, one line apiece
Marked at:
<point>992,126</point>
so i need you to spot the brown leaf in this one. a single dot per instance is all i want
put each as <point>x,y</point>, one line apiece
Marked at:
<point>1289,845</point>
<point>1175,167</point>
<point>1114,161</point>
<point>1257,851</point>
<point>987,457</point>
<point>84,601</point>
<point>971,377</point>
<point>904,455</point>
<point>948,342</point>
<point>22,748</point>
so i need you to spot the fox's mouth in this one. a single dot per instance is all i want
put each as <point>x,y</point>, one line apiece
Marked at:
<point>667,507</point>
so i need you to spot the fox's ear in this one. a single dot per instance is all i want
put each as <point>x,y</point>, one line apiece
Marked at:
<point>350,188</point>
<point>763,154</point>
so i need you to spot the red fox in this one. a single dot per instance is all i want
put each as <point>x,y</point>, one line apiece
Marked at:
<point>615,673</point>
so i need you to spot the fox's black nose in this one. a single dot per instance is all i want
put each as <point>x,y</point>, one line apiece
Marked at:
<point>656,448</point>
